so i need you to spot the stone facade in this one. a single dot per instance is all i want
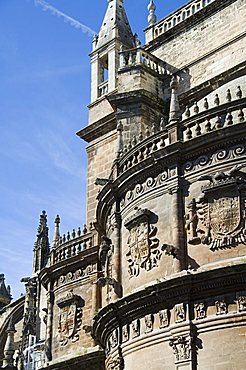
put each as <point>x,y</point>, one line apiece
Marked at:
<point>157,277</point>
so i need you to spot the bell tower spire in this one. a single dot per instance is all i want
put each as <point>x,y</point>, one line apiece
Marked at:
<point>115,34</point>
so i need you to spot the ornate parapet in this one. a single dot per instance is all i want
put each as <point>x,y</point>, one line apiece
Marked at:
<point>176,18</point>
<point>73,244</point>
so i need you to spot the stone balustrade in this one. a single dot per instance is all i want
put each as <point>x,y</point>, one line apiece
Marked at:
<point>180,16</point>
<point>135,152</point>
<point>71,244</point>
<point>103,89</point>
<point>211,118</point>
<point>197,120</point>
<point>137,56</point>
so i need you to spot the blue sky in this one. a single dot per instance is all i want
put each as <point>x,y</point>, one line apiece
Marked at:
<point>44,92</point>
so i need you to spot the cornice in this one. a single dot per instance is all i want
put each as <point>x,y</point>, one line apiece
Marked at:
<point>166,294</point>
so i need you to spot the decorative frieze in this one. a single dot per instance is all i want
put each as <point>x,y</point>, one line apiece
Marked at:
<point>125,333</point>
<point>144,250</point>
<point>180,313</point>
<point>201,310</point>
<point>241,301</point>
<point>221,307</point>
<point>164,318</point>
<point>149,323</point>
<point>70,317</point>
<point>73,276</point>
<point>150,183</point>
<point>135,328</point>
<point>234,152</point>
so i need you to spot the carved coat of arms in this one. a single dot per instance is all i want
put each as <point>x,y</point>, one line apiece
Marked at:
<point>217,218</point>
<point>69,317</point>
<point>143,246</point>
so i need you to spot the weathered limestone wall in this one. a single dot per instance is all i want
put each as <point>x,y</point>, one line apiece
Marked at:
<point>208,48</point>
<point>101,154</point>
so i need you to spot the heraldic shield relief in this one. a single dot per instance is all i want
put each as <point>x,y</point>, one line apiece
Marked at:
<point>70,317</point>
<point>143,246</point>
<point>217,218</point>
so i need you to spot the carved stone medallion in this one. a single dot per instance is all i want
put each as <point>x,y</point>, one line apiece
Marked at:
<point>217,218</point>
<point>69,317</point>
<point>143,246</point>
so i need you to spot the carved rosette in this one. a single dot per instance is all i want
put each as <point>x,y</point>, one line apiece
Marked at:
<point>144,250</point>
<point>217,217</point>
<point>70,317</point>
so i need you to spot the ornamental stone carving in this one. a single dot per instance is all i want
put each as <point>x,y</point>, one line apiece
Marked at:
<point>221,307</point>
<point>201,310</point>
<point>181,348</point>
<point>149,322</point>
<point>70,317</point>
<point>144,250</point>
<point>180,313</point>
<point>164,318</point>
<point>135,328</point>
<point>217,217</point>
<point>125,333</point>
<point>241,303</point>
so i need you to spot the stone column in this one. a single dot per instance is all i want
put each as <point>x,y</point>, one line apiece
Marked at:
<point>116,268</point>
<point>50,307</point>
<point>178,228</point>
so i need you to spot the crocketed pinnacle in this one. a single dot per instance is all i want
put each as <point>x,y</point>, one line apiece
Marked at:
<point>115,26</point>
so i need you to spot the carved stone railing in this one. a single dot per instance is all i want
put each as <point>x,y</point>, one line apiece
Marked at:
<point>73,244</point>
<point>180,15</point>
<point>212,119</point>
<point>103,89</point>
<point>136,152</point>
<point>137,56</point>
<point>200,119</point>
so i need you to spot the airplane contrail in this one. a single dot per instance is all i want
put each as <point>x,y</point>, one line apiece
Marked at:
<point>73,22</point>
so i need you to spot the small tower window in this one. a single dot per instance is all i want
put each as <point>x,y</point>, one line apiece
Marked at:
<point>103,76</point>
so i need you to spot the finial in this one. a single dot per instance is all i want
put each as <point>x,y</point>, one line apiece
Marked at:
<point>9,348</point>
<point>152,16</point>
<point>56,237</point>
<point>174,114</point>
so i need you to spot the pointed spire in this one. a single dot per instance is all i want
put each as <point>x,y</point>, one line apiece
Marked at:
<point>175,113</point>
<point>115,25</point>
<point>5,296</point>
<point>9,348</point>
<point>56,237</point>
<point>152,16</point>
<point>41,246</point>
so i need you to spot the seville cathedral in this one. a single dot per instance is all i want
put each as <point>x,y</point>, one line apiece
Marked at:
<point>157,277</point>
